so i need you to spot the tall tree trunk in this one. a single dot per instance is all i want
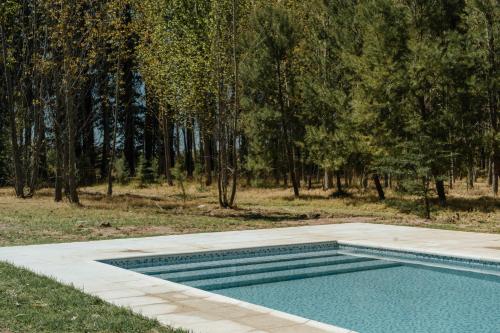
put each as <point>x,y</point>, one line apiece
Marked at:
<point>378,186</point>
<point>222,160</point>
<point>43,164</point>
<point>291,165</point>
<point>494,182</point>
<point>207,144</point>
<point>188,153</point>
<point>65,157</point>
<point>87,129</point>
<point>489,171</point>
<point>128,98</point>
<point>58,119</point>
<point>452,172</point>
<point>161,146</point>
<point>222,154</point>
<point>176,137</point>
<point>129,136</point>
<point>339,182</point>
<point>222,126</point>
<point>441,192</point>
<point>470,175</point>
<point>36,154</point>
<point>297,165</point>
<point>115,130</point>
<point>425,188</point>
<point>167,147</point>
<point>326,180</point>
<point>39,128</point>
<point>106,128</point>
<point>346,178</point>
<point>493,97</point>
<point>173,139</point>
<point>236,110</point>
<point>310,171</point>
<point>288,149</point>
<point>243,155</point>
<point>27,131</point>
<point>71,124</point>
<point>151,109</point>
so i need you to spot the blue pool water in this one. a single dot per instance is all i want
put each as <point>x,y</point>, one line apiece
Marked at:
<point>398,299</point>
<point>343,287</point>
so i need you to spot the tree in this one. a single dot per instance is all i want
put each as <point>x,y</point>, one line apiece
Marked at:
<point>482,24</point>
<point>9,33</point>
<point>356,91</point>
<point>381,70</point>
<point>225,49</point>
<point>273,40</point>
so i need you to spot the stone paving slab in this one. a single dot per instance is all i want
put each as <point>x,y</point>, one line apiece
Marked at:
<point>202,312</point>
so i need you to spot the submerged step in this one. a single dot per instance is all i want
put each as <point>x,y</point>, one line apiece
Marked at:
<point>260,268</point>
<point>217,263</point>
<point>268,277</point>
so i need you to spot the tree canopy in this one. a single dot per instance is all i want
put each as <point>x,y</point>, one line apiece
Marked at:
<point>404,91</point>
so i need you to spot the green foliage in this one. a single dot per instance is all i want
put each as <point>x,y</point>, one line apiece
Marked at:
<point>5,153</point>
<point>413,169</point>
<point>269,71</point>
<point>198,176</point>
<point>147,173</point>
<point>120,170</point>
<point>180,176</point>
<point>407,88</point>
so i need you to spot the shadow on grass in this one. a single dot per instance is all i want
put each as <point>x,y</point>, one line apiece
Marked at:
<point>328,194</point>
<point>97,196</point>
<point>481,204</point>
<point>132,196</point>
<point>262,215</point>
<point>416,206</point>
<point>177,206</point>
<point>411,205</point>
<point>303,197</point>
<point>139,200</point>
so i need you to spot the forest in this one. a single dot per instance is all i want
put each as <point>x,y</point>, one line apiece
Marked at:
<point>399,94</point>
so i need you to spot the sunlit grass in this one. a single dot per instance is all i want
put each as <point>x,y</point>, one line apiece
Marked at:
<point>161,210</point>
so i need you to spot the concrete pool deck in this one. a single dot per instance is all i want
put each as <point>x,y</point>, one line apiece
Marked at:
<point>199,311</point>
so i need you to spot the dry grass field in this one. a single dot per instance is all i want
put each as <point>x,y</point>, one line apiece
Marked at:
<point>159,210</point>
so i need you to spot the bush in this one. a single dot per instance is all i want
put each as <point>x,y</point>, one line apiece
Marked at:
<point>120,171</point>
<point>146,173</point>
<point>180,177</point>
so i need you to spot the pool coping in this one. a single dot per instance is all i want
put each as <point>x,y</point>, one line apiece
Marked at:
<point>201,311</point>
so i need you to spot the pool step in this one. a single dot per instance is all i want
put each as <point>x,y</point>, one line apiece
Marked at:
<point>228,271</point>
<point>292,274</point>
<point>220,263</point>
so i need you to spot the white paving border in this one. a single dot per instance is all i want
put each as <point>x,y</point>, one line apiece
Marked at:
<point>200,311</point>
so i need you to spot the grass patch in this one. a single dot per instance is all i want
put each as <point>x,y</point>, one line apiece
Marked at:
<point>31,303</point>
<point>160,210</point>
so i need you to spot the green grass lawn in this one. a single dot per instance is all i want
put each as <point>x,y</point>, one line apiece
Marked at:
<point>29,303</point>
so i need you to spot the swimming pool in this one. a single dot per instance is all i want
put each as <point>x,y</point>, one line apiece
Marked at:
<point>369,290</point>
